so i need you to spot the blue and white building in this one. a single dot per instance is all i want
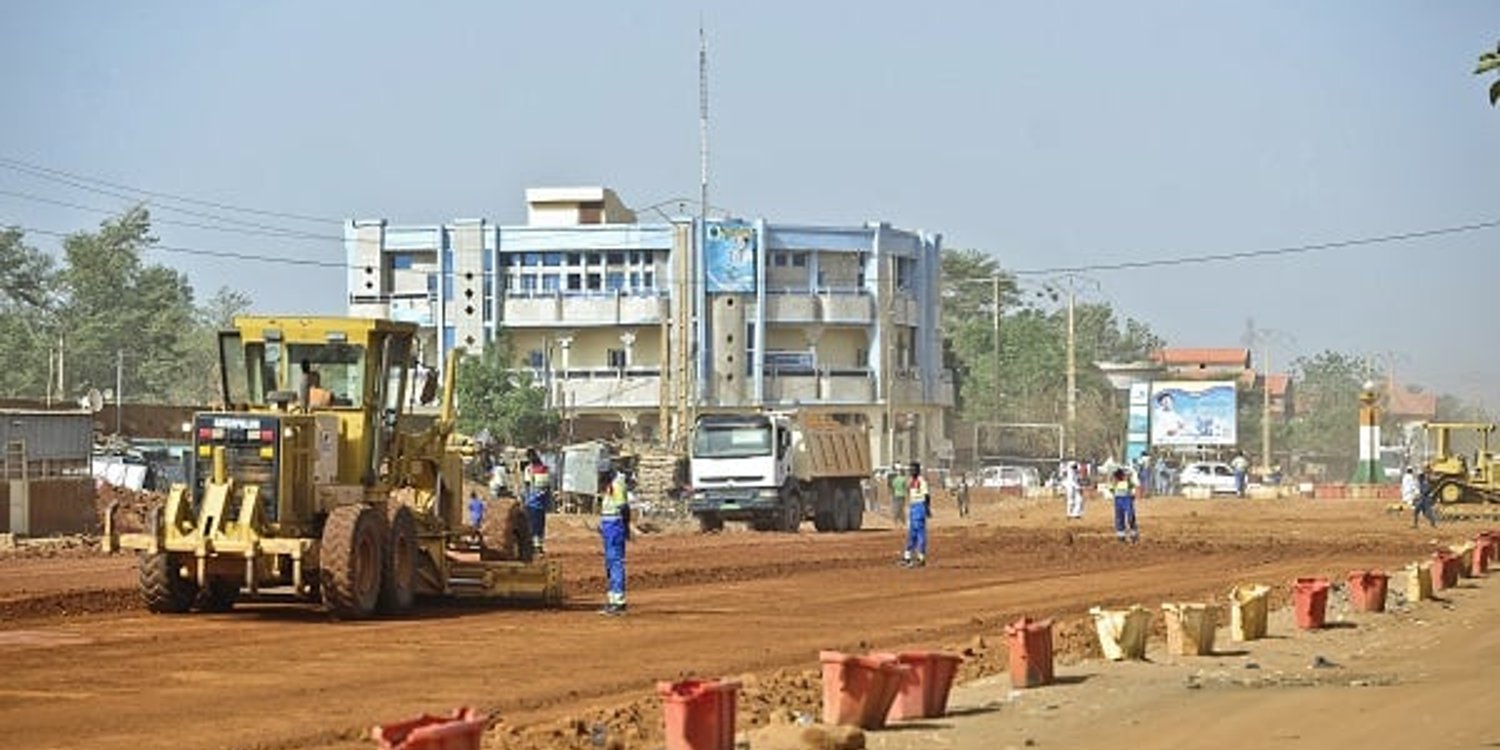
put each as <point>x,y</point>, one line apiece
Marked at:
<point>633,327</point>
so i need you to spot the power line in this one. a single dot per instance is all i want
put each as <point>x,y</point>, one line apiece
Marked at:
<point>213,253</point>
<point>281,233</point>
<point>1266,253</point>
<point>18,165</point>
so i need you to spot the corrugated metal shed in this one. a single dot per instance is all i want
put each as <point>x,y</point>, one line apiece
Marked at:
<point>47,435</point>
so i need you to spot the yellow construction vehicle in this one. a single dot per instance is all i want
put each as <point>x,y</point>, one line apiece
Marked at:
<point>315,482</point>
<point>1455,477</point>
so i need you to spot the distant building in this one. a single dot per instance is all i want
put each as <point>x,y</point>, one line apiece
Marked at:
<point>632,327</point>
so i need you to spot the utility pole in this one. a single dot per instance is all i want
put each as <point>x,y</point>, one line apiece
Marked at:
<point>119,387</point>
<point>1265,406</point>
<point>995,357</point>
<point>1072,374</point>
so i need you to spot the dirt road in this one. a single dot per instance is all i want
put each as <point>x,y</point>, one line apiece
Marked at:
<point>84,670</point>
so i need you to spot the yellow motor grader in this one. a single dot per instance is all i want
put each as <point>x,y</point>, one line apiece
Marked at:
<point>1456,477</point>
<point>315,482</point>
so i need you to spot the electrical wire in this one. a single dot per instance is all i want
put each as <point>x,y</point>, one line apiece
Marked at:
<point>48,172</point>
<point>283,234</point>
<point>211,253</point>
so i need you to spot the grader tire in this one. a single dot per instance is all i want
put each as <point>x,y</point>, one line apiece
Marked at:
<point>352,555</point>
<point>398,580</point>
<point>506,532</point>
<point>162,589</point>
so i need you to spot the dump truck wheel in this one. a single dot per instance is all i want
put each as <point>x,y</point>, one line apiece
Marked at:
<point>163,590</point>
<point>398,581</point>
<point>352,557</point>
<point>842,512</point>
<point>219,596</point>
<point>710,523</point>
<point>856,510</point>
<point>826,517</point>
<point>505,531</point>
<point>791,514</point>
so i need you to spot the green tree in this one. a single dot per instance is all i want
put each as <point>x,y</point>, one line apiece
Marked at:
<point>1326,428</point>
<point>1489,62</point>
<point>968,286</point>
<point>28,287</point>
<point>493,397</point>
<point>213,316</point>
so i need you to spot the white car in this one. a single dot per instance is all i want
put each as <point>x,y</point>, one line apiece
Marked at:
<point>1217,476</point>
<point>1024,477</point>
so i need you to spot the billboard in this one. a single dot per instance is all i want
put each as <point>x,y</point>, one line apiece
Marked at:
<point>729,257</point>
<point>1137,416</point>
<point>1193,412</point>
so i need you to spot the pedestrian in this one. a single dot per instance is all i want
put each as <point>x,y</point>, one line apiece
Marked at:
<point>476,510</point>
<point>1241,466</point>
<point>1425,503</point>
<point>1124,491</point>
<point>614,531</point>
<point>963,496</point>
<point>915,555</point>
<point>1073,491</point>
<point>1411,488</point>
<point>899,489</point>
<point>537,485</point>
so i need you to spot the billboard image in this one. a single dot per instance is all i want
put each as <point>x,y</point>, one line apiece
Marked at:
<point>729,257</point>
<point>1193,412</point>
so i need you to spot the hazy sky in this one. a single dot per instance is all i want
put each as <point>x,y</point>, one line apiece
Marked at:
<point>1050,134</point>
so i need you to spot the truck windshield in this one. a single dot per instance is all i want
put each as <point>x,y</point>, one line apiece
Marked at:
<point>732,440</point>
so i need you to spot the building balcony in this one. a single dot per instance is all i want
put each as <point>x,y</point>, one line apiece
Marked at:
<point>606,389</point>
<point>543,311</point>
<point>828,307</point>
<point>826,387</point>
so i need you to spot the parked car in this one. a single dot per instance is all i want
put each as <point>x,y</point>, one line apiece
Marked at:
<point>1023,477</point>
<point>1217,476</point>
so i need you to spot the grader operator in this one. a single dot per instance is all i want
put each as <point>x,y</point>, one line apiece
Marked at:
<point>315,482</point>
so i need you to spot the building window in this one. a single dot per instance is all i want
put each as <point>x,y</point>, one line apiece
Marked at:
<point>575,282</point>
<point>575,259</point>
<point>401,261</point>
<point>533,259</point>
<point>799,260</point>
<point>635,281</point>
<point>535,359</point>
<point>779,259</point>
<point>552,259</point>
<point>549,282</point>
<point>648,281</point>
<point>432,287</point>
<point>616,358</point>
<point>593,259</point>
<point>635,257</point>
<point>617,259</point>
<point>614,281</point>
<point>595,282</point>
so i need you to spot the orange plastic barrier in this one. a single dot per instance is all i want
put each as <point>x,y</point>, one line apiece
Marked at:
<point>1367,589</point>
<point>699,714</point>
<point>1445,570</point>
<point>461,731</point>
<point>858,690</point>
<point>1030,645</point>
<point>1483,552</point>
<point>923,692</point>
<point>1310,602</point>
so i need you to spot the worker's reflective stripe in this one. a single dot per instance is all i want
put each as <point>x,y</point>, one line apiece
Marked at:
<point>919,492</point>
<point>540,478</point>
<point>614,500</point>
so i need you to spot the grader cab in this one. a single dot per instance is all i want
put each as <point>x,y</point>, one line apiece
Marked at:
<point>316,483</point>
<point>1462,477</point>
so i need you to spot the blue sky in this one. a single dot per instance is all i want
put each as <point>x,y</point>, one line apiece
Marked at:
<point>1050,134</point>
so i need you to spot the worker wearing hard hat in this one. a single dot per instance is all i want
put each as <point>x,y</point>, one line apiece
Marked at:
<point>614,530</point>
<point>918,510</point>
<point>538,488</point>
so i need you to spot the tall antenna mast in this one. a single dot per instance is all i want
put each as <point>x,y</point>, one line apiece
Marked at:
<point>702,122</point>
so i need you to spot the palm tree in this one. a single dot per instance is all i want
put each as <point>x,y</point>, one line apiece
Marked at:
<point>1487,62</point>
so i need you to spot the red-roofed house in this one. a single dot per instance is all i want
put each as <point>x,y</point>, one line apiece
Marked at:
<point>1204,364</point>
<point>1405,405</point>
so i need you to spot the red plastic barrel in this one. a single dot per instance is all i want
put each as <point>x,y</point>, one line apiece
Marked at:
<point>1030,645</point>
<point>1445,569</point>
<point>1480,562</point>
<point>699,714</point>
<point>858,690</point>
<point>923,692</point>
<point>1367,589</point>
<point>1310,602</point>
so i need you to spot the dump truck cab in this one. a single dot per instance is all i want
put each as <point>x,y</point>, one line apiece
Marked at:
<point>314,482</point>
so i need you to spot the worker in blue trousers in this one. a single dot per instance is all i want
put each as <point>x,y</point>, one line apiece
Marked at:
<point>538,488</point>
<point>614,529</point>
<point>1123,488</point>
<point>918,511</point>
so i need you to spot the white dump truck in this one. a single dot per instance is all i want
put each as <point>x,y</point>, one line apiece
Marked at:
<point>776,470</point>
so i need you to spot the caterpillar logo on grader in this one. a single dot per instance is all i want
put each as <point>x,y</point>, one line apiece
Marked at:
<point>315,482</point>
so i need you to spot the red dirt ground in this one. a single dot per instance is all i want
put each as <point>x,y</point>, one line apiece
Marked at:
<point>86,668</point>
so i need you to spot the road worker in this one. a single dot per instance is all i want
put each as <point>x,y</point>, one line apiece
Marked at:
<point>1072,486</point>
<point>900,490</point>
<point>918,511</point>
<point>1122,486</point>
<point>614,530</point>
<point>537,485</point>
